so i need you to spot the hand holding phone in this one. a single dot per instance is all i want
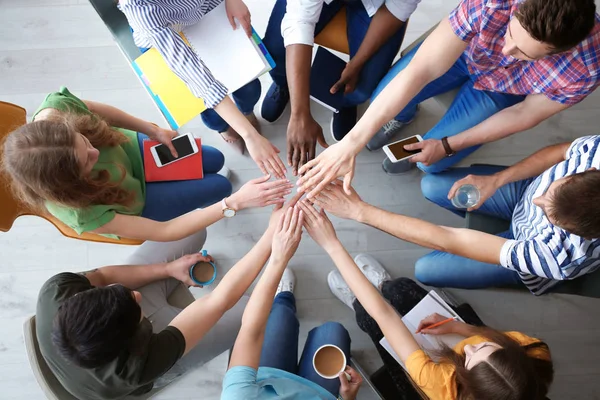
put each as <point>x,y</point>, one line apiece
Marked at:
<point>396,151</point>
<point>185,145</point>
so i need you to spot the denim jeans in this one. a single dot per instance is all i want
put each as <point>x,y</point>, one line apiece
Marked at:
<point>448,270</point>
<point>168,200</point>
<point>245,99</point>
<point>358,22</point>
<point>280,348</point>
<point>469,108</point>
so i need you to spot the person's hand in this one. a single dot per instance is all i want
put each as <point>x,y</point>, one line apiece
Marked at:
<point>302,137</point>
<point>318,226</point>
<point>260,192</point>
<point>180,268</point>
<point>280,209</point>
<point>486,184</point>
<point>448,327</point>
<point>165,136</point>
<point>432,151</point>
<point>265,155</point>
<point>349,388</point>
<point>338,160</point>
<point>287,235</point>
<point>236,9</point>
<point>348,80</point>
<point>336,201</point>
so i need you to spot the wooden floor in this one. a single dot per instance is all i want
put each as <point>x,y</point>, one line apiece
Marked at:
<point>48,43</point>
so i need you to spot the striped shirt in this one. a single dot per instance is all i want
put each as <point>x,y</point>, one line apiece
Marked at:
<point>543,253</point>
<point>567,77</point>
<point>156,23</point>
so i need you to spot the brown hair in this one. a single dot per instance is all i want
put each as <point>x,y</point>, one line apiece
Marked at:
<point>510,373</point>
<point>40,159</point>
<point>561,24</point>
<point>574,204</point>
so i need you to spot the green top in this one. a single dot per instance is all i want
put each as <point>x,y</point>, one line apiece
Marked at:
<point>125,158</point>
<point>134,370</point>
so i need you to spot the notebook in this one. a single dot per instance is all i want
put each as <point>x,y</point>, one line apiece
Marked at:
<point>181,170</point>
<point>172,96</point>
<point>325,72</point>
<point>432,303</point>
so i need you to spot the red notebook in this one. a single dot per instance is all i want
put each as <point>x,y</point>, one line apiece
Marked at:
<point>182,170</point>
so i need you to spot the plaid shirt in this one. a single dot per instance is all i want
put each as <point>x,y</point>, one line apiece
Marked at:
<point>567,77</point>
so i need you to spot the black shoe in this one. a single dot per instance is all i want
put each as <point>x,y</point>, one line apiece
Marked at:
<point>342,122</point>
<point>274,103</point>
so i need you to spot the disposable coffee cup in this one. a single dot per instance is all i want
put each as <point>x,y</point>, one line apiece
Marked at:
<point>329,361</point>
<point>204,272</point>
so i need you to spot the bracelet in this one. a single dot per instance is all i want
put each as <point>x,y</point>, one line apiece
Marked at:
<point>447,148</point>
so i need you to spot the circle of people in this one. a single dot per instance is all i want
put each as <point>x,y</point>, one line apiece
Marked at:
<point>111,332</point>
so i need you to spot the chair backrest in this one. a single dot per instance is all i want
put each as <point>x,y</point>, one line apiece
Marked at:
<point>50,385</point>
<point>11,117</point>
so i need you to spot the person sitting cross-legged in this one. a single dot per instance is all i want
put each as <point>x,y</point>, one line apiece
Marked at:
<point>549,197</point>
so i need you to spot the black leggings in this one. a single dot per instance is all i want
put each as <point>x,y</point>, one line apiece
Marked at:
<point>403,294</point>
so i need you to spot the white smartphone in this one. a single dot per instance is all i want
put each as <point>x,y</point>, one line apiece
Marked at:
<point>396,152</point>
<point>185,145</point>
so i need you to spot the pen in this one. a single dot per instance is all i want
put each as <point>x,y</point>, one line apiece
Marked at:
<point>437,324</point>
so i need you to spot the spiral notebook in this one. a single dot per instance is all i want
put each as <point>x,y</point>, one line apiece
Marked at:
<point>430,304</point>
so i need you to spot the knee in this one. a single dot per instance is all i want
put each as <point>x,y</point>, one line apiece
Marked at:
<point>432,188</point>
<point>424,268</point>
<point>213,159</point>
<point>223,186</point>
<point>391,288</point>
<point>334,327</point>
<point>433,168</point>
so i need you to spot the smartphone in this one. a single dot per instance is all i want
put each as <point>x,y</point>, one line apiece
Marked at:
<point>396,152</point>
<point>185,145</point>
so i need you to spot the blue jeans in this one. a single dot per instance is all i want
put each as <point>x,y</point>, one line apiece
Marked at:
<point>245,99</point>
<point>358,22</point>
<point>280,349</point>
<point>448,270</point>
<point>168,200</point>
<point>469,108</point>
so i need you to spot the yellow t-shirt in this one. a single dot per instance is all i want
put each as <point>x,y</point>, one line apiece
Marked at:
<point>437,380</point>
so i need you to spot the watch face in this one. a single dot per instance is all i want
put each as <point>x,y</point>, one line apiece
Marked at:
<point>228,212</point>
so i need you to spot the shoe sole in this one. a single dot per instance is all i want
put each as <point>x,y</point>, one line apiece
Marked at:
<point>331,130</point>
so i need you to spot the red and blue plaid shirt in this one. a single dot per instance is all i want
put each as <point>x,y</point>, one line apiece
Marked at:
<point>567,77</point>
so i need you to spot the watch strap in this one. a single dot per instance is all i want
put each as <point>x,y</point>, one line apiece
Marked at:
<point>447,148</point>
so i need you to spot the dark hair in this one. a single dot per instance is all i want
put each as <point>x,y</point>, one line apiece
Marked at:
<point>510,373</point>
<point>574,204</point>
<point>562,24</point>
<point>93,327</point>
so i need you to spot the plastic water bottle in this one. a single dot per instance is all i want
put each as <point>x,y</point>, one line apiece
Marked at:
<point>466,196</point>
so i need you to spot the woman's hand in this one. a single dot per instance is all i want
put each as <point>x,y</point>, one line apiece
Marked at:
<point>349,388</point>
<point>337,160</point>
<point>448,327</point>
<point>334,200</point>
<point>165,136</point>
<point>260,192</point>
<point>318,226</point>
<point>265,155</point>
<point>236,9</point>
<point>180,268</point>
<point>287,235</point>
<point>486,184</point>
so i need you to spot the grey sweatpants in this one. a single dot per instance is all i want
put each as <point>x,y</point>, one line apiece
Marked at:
<point>160,313</point>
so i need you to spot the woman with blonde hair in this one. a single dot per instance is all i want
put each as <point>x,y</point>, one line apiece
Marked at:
<point>82,162</point>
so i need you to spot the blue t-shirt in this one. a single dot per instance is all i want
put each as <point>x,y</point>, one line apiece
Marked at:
<point>269,383</point>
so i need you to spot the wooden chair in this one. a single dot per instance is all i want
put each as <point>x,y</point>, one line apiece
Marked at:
<point>51,386</point>
<point>11,117</point>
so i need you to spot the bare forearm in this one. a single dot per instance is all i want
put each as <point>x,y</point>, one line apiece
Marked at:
<point>131,276</point>
<point>234,117</point>
<point>115,117</point>
<point>533,165</point>
<point>383,26</point>
<point>298,58</point>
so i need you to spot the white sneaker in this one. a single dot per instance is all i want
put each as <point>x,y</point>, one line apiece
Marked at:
<point>372,269</point>
<point>287,282</point>
<point>225,172</point>
<point>340,288</point>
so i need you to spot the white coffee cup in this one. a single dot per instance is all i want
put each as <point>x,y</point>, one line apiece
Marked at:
<point>329,361</point>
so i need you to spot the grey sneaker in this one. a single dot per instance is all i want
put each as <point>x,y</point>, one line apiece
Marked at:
<point>385,134</point>
<point>287,282</point>
<point>372,269</point>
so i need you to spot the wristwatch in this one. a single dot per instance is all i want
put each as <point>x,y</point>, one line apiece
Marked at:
<point>227,211</point>
<point>447,148</point>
